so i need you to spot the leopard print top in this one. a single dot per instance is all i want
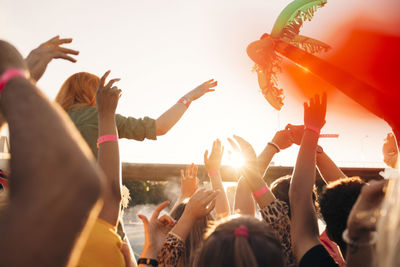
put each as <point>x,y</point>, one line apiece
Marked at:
<point>276,215</point>
<point>172,250</point>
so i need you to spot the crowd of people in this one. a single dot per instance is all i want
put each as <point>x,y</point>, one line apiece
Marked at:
<point>62,202</point>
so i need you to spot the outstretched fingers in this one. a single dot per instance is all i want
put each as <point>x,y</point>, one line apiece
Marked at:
<point>234,145</point>
<point>111,82</point>
<point>159,208</point>
<point>104,77</point>
<point>58,54</point>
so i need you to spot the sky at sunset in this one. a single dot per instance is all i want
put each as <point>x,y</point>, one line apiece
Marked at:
<point>161,49</point>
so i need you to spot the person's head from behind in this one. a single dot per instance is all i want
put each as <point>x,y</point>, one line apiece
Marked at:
<point>336,202</point>
<point>196,234</point>
<point>78,90</point>
<point>238,242</point>
<point>280,189</point>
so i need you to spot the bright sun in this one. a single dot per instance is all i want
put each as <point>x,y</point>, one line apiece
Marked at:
<point>234,159</point>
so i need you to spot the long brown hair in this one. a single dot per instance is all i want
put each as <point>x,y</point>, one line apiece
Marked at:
<point>222,248</point>
<point>78,90</point>
<point>195,237</point>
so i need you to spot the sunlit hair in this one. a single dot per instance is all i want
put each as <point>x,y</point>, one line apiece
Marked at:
<point>388,228</point>
<point>125,196</point>
<point>280,189</point>
<point>195,237</point>
<point>222,248</point>
<point>79,90</point>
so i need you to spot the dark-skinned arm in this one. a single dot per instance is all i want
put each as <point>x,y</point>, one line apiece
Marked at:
<point>53,177</point>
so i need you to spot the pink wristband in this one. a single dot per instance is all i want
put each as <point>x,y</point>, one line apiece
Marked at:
<point>10,74</point>
<point>184,101</point>
<point>106,138</point>
<point>214,172</point>
<point>261,191</point>
<point>313,128</point>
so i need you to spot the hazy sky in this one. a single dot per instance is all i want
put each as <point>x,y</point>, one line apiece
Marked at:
<point>163,48</point>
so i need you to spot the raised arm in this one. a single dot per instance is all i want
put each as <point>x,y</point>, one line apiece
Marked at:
<point>155,231</point>
<point>329,171</point>
<point>199,205</point>
<point>361,235</point>
<point>252,173</point>
<point>280,141</point>
<point>170,117</point>
<point>189,184</point>
<point>213,166</point>
<point>54,178</point>
<point>108,156</point>
<point>40,57</point>
<point>244,202</point>
<point>304,228</point>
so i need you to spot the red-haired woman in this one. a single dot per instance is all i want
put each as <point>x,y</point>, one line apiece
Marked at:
<point>77,97</point>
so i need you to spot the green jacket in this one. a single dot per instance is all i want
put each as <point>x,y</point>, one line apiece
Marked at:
<point>86,120</point>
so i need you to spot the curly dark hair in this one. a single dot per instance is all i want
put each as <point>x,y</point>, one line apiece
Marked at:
<point>336,202</point>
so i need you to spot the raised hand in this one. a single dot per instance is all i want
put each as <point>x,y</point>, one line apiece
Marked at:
<point>201,90</point>
<point>200,204</point>
<point>314,112</point>
<point>250,167</point>
<point>39,58</point>
<point>189,181</point>
<point>366,210</point>
<point>107,95</point>
<point>295,133</point>
<point>283,139</point>
<point>156,230</point>
<point>213,162</point>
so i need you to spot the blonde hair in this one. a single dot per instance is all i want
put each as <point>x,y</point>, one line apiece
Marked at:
<point>79,90</point>
<point>388,245</point>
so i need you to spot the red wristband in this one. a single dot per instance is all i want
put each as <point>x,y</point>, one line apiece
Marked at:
<point>313,128</point>
<point>184,101</point>
<point>106,138</point>
<point>10,74</point>
<point>261,191</point>
<point>214,172</point>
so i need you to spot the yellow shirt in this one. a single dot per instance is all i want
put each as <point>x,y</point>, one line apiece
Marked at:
<point>103,247</point>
